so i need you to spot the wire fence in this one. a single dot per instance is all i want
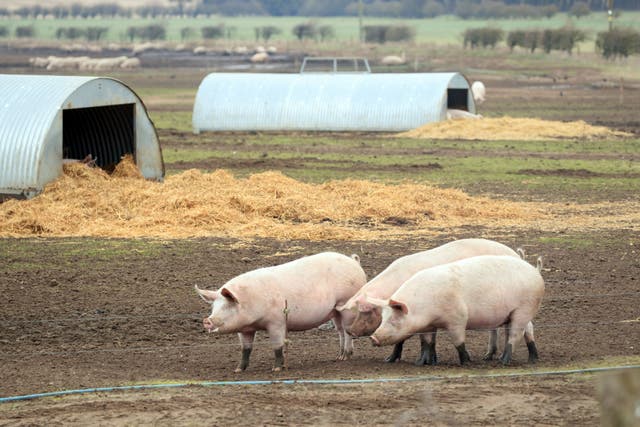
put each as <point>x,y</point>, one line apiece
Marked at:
<point>198,316</point>
<point>293,342</point>
<point>584,325</point>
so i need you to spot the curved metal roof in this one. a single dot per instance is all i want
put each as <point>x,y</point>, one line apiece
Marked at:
<point>31,127</point>
<point>324,101</point>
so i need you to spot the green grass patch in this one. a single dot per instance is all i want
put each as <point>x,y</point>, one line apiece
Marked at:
<point>569,242</point>
<point>441,30</point>
<point>178,120</point>
<point>304,142</point>
<point>64,253</point>
<point>511,167</point>
<point>173,155</point>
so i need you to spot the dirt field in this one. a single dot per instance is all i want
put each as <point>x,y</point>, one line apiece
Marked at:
<point>83,313</point>
<point>130,316</point>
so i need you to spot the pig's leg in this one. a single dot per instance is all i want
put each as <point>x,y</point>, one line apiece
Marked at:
<point>277,334</point>
<point>427,349</point>
<point>458,334</point>
<point>531,344</point>
<point>346,342</point>
<point>514,332</point>
<point>504,356</point>
<point>493,345</point>
<point>396,354</point>
<point>246,341</point>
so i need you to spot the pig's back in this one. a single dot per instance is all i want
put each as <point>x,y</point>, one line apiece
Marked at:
<point>312,286</point>
<point>480,276</point>
<point>329,270</point>
<point>491,287</point>
<point>402,269</point>
<point>467,248</point>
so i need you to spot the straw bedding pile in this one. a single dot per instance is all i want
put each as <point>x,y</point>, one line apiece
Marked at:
<point>88,202</point>
<point>510,129</point>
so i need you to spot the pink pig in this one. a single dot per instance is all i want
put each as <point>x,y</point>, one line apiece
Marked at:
<point>483,292</point>
<point>368,316</point>
<point>310,288</point>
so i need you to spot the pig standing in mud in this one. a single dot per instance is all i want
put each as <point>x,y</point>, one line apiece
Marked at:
<point>482,292</point>
<point>368,316</point>
<point>310,288</point>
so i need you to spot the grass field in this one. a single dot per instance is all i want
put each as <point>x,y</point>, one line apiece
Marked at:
<point>442,30</point>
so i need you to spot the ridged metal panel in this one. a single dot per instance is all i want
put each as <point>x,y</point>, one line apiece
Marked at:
<point>323,101</point>
<point>28,106</point>
<point>31,127</point>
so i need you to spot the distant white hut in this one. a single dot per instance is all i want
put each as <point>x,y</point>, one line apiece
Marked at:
<point>328,101</point>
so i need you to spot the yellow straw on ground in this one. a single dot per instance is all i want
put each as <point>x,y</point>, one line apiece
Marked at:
<point>88,202</point>
<point>510,129</point>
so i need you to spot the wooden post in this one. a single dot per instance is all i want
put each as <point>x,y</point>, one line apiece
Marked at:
<point>619,395</point>
<point>621,99</point>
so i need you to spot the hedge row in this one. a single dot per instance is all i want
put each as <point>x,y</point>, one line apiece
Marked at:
<point>309,30</point>
<point>388,33</point>
<point>149,32</point>
<point>90,33</point>
<point>618,42</point>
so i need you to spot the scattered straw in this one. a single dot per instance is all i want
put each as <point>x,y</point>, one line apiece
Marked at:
<point>88,202</point>
<point>127,168</point>
<point>511,129</point>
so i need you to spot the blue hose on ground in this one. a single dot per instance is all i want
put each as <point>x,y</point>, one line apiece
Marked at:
<point>316,381</point>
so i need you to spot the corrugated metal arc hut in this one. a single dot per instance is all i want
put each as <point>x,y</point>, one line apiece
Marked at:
<point>328,101</point>
<point>44,119</point>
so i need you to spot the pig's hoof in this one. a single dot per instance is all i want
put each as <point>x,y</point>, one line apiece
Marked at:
<point>344,356</point>
<point>238,370</point>
<point>505,359</point>
<point>533,352</point>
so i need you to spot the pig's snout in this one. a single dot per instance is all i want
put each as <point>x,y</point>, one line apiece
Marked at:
<point>208,324</point>
<point>375,341</point>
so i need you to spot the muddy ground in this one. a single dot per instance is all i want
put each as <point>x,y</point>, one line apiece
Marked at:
<point>83,313</point>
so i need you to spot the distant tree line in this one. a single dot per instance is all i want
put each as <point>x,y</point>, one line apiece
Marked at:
<point>90,33</point>
<point>382,8</point>
<point>147,32</point>
<point>563,39</point>
<point>620,42</point>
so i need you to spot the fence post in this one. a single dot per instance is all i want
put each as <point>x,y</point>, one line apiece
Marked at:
<point>619,395</point>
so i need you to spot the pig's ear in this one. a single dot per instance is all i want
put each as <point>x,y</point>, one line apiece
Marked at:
<point>349,305</point>
<point>375,301</point>
<point>208,296</point>
<point>396,305</point>
<point>228,295</point>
